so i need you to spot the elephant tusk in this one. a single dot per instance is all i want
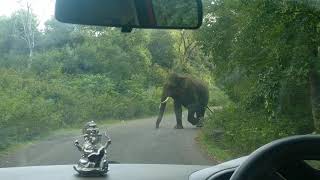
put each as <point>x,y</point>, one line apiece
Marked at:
<point>165,100</point>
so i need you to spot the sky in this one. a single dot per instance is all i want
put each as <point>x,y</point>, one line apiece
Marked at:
<point>44,9</point>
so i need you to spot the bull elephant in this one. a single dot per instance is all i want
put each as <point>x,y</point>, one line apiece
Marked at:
<point>186,91</point>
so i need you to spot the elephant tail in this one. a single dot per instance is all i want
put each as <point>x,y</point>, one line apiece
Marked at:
<point>209,109</point>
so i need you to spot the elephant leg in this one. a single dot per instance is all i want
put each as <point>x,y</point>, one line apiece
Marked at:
<point>178,112</point>
<point>191,118</point>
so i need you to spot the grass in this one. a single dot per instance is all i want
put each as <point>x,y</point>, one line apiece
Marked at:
<point>218,154</point>
<point>14,147</point>
<point>213,150</point>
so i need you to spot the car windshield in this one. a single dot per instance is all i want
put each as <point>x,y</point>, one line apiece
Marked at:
<point>248,76</point>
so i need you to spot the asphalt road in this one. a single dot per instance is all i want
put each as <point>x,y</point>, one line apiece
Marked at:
<point>134,141</point>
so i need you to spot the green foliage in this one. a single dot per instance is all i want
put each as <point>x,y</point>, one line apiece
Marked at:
<point>262,53</point>
<point>243,132</point>
<point>178,13</point>
<point>261,57</point>
<point>162,41</point>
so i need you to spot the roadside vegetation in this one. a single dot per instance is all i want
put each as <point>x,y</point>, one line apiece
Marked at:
<point>266,58</point>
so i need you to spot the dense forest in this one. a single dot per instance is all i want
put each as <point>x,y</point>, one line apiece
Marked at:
<point>260,59</point>
<point>266,58</point>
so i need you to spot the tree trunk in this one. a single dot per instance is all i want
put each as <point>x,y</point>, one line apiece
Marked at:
<point>30,57</point>
<point>314,81</point>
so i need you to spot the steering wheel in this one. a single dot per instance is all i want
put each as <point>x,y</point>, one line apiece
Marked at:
<point>272,156</point>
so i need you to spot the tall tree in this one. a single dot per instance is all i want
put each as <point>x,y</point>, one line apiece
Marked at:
<point>26,27</point>
<point>161,47</point>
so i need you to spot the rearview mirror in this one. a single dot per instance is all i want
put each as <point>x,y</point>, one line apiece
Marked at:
<point>128,14</point>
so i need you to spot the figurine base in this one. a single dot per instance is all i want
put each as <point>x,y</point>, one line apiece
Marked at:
<point>90,172</point>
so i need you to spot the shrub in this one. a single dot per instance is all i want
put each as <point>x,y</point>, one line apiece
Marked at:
<point>245,131</point>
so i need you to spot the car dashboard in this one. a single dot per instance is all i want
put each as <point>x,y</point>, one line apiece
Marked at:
<point>117,172</point>
<point>221,171</point>
<point>125,171</point>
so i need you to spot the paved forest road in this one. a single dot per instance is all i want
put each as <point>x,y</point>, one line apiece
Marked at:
<point>135,141</point>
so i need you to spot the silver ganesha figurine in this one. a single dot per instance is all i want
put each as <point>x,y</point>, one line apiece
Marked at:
<point>94,159</point>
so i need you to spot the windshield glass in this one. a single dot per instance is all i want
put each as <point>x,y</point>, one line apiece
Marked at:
<point>248,76</point>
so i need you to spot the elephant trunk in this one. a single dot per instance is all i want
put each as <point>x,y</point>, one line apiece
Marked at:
<point>161,110</point>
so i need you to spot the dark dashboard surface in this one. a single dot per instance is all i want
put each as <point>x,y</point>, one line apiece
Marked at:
<point>117,172</point>
<point>294,171</point>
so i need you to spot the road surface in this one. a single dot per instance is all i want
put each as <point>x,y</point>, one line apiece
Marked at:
<point>134,141</point>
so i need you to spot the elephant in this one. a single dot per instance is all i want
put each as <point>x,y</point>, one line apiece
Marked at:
<point>186,91</point>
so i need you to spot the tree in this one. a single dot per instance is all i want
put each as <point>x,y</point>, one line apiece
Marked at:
<point>26,28</point>
<point>5,38</point>
<point>186,46</point>
<point>162,49</point>
<point>58,35</point>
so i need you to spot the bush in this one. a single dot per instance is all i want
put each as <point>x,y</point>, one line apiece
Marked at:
<point>243,132</point>
<point>31,106</point>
